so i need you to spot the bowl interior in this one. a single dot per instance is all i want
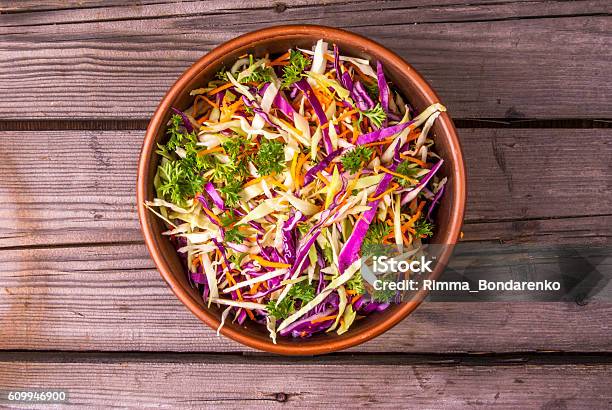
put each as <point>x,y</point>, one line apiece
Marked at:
<point>402,76</point>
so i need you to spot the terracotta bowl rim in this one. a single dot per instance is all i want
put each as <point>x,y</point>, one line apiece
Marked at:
<point>278,32</point>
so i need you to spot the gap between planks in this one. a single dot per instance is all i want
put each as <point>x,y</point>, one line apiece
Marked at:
<point>110,124</point>
<point>358,358</point>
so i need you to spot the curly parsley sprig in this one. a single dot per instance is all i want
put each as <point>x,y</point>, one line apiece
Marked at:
<point>356,158</point>
<point>270,158</point>
<point>294,71</point>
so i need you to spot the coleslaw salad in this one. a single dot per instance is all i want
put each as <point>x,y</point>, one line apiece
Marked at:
<point>280,172</point>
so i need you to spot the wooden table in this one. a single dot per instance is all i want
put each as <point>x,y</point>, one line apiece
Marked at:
<point>83,309</point>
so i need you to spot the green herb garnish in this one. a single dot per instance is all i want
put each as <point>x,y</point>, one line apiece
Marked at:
<point>235,146</point>
<point>230,191</point>
<point>222,74</point>
<point>283,310</point>
<point>260,75</point>
<point>376,115</point>
<point>423,228</point>
<point>178,182</point>
<point>301,291</point>
<point>406,168</point>
<point>356,283</point>
<point>294,71</point>
<point>356,158</point>
<point>376,232</point>
<point>383,295</point>
<point>270,158</point>
<point>234,235</point>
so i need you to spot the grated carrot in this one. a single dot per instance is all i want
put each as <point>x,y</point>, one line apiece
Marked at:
<point>343,133</point>
<point>299,178</point>
<point>388,171</point>
<point>340,118</point>
<point>388,191</point>
<point>416,215</point>
<point>281,58</point>
<point>323,319</point>
<point>210,150</point>
<point>269,264</point>
<point>381,142</point>
<point>214,104</point>
<point>322,178</point>
<point>293,166</point>
<point>220,88</point>
<point>213,216</point>
<point>412,159</point>
<point>254,181</point>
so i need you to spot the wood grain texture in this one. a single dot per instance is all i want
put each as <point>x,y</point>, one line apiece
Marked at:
<point>111,298</point>
<point>228,382</point>
<point>74,187</point>
<point>494,60</point>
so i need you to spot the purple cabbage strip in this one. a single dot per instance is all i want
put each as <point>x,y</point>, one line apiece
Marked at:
<point>361,97</point>
<point>280,102</point>
<point>312,172</point>
<point>301,254</point>
<point>372,306</point>
<point>289,237</point>
<point>382,133</point>
<point>222,250</point>
<point>186,121</point>
<point>316,106</point>
<point>214,195</point>
<point>294,91</point>
<point>333,299</point>
<point>241,316</point>
<point>205,205</point>
<point>253,224</point>
<point>198,278</point>
<point>257,110</point>
<point>263,292</point>
<point>347,81</point>
<point>344,79</point>
<point>435,201</point>
<point>350,251</point>
<point>220,95</point>
<point>237,247</point>
<point>383,88</point>
<point>410,195</point>
<point>305,323</point>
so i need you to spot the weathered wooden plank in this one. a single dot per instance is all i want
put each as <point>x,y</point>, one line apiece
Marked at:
<point>111,298</point>
<point>485,60</point>
<point>75,186</point>
<point>234,382</point>
<point>26,14</point>
<point>35,6</point>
